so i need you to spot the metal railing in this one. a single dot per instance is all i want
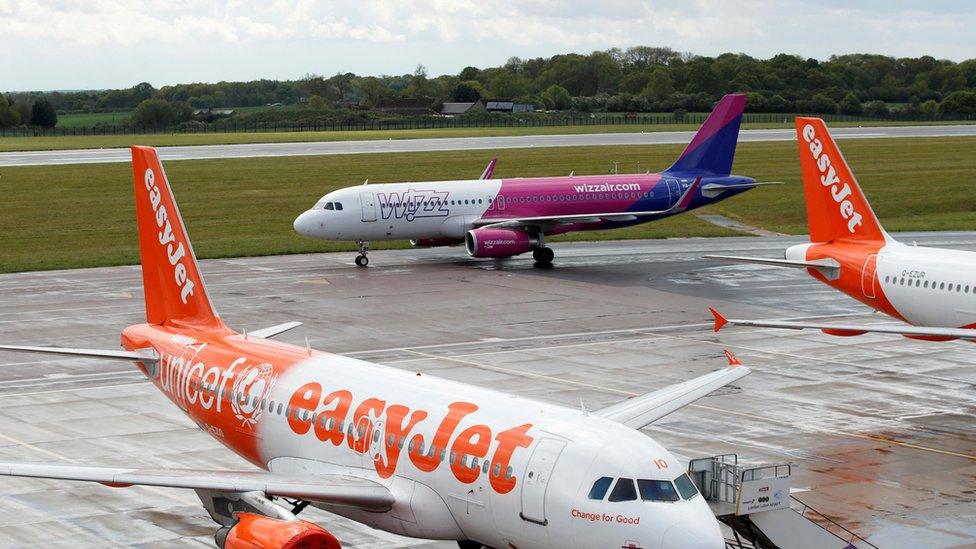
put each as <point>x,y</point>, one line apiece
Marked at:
<point>829,524</point>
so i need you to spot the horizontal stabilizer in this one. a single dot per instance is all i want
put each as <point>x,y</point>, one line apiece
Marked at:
<point>640,411</point>
<point>272,331</point>
<point>712,190</point>
<point>828,267</point>
<point>907,330</point>
<point>334,489</point>
<point>86,353</point>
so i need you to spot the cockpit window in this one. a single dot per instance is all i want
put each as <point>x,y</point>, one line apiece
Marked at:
<point>329,206</point>
<point>338,205</point>
<point>600,488</point>
<point>623,490</point>
<point>656,490</point>
<point>685,487</point>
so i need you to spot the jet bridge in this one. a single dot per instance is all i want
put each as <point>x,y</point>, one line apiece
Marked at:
<point>756,504</point>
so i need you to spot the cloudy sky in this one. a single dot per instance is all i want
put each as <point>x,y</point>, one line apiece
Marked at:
<point>76,44</point>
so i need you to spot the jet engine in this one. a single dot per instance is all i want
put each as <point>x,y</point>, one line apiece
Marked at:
<point>435,242</point>
<point>489,242</point>
<point>254,531</point>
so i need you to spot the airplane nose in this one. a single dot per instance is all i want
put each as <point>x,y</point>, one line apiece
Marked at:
<point>306,224</point>
<point>693,536</point>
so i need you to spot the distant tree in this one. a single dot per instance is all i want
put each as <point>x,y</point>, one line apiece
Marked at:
<point>8,114</point>
<point>876,109</point>
<point>342,82</point>
<point>154,113</point>
<point>556,97</point>
<point>372,90</point>
<point>465,92</point>
<point>43,114</point>
<point>505,85</point>
<point>959,103</point>
<point>419,83</point>
<point>930,108</point>
<point>469,73</point>
<point>317,103</point>
<point>851,105</point>
<point>659,85</point>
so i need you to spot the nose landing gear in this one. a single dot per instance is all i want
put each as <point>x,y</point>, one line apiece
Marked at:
<point>361,259</point>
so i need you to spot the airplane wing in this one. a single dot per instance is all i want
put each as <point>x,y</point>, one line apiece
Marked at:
<point>334,489</point>
<point>679,206</point>
<point>87,353</point>
<point>828,267</point>
<point>489,169</point>
<point>640,411</point>
<point>907,330</point>
<point>272,331</point>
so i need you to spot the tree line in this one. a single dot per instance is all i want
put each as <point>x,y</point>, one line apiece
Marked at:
<point>637,79</point>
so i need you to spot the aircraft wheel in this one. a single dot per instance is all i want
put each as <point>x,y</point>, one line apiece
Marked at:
<point>543,256</point>
<point>362,260</point>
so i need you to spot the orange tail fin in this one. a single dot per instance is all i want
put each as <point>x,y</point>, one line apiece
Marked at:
<point>171,278</point>
<point>836,206</point>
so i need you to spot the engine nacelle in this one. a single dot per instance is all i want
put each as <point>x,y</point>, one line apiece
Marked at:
<point>435,242</point>
<point>254,531</point>
<point>489,242</point>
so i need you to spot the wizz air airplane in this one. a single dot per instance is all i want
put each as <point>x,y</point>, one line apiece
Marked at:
<point>932,289</point>
<point>400,451</point>
<point>501,218</point>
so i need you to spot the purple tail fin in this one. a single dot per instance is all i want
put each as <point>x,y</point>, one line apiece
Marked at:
<point>713,147</point>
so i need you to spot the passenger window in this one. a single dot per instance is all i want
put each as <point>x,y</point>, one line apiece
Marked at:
<point>623,490</point>
<point>685,486</point>
<point>657,490</point>
<point>338,205</point>
<point>926,285</point>
<point>600,487</point>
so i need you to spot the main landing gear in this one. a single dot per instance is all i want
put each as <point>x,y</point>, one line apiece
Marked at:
<point>361,259</point>
<point>543,256</point>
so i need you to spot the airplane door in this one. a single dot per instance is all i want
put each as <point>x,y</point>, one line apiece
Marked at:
<point>868,278</point>
<point>367,201</point>
<point>674,190</point>
<point>535,481</point>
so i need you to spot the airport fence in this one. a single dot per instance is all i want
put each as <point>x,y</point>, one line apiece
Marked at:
<point>440,122</point>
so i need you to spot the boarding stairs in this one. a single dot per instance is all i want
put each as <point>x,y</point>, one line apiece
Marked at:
<point>756,504</point>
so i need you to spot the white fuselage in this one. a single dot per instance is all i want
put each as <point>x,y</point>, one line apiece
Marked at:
<point>929,286</point>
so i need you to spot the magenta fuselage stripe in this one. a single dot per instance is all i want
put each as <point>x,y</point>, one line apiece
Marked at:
<point>575,195</point>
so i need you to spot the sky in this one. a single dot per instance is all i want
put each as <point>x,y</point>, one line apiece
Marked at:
<point>97,44</point>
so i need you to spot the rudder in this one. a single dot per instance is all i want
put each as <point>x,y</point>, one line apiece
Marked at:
<point>712,150</point>
<point>836,205</point>
<point>171,278</point>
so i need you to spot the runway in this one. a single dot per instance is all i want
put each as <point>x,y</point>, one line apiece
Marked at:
<point>879,430</point>
<point>204,152</point>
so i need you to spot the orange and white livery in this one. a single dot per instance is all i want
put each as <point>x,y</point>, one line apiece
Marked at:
<point>400,451</point>
<point>931,289</point>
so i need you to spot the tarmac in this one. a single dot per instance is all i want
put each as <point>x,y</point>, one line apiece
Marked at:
<point>255,150</point>
<point>879,430</point>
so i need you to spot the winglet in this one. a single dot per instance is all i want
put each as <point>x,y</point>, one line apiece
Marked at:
<point>720,320</point>
<point>733,360</point>
<point>489,169</point>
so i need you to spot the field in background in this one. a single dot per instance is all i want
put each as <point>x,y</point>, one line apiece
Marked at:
<point>9,144</point>
<point>83,215</point>
<point>89,119</point>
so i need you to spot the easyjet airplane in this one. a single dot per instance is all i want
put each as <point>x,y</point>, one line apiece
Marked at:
<point>503,218</point>
<point>933,289</point>
<point>400,451</point>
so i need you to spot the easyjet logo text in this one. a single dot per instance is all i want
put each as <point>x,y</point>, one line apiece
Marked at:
<point>829,178</point>
<point>384,431</point>
<point>175,252</point>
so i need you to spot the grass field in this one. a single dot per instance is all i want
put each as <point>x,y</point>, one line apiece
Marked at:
<point>89,119</point>
<point>8,144</point>
<point>83,215</point>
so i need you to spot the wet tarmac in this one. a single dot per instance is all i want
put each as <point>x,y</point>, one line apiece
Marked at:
<point>879,430</point>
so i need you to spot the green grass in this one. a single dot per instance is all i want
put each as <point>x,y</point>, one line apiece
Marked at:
<point>8,144</point>
<point>83,215</point>
<point>89,119</point>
